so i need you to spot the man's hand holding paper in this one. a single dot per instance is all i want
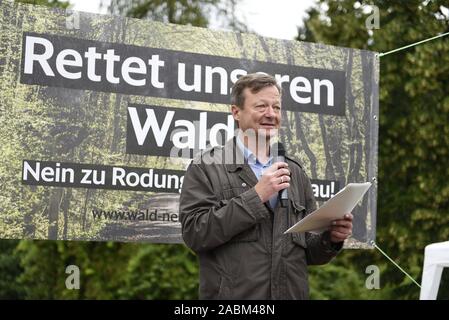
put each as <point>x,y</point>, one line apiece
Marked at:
<point>335,214</point>
<point>341,229</point>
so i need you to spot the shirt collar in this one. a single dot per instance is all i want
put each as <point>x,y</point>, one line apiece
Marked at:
<point>249,155</point>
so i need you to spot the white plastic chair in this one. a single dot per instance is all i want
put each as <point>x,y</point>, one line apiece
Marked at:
<point>436,257</point>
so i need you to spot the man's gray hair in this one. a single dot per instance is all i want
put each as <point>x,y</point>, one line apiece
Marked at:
<point>254,82</point>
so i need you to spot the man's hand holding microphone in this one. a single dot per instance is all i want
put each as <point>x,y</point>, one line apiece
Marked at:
<point>273,180</point>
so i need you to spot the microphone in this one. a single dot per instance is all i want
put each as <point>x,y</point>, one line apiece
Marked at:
<point>279,156</point>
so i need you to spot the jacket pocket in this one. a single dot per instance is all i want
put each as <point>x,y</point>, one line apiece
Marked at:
<point>233,192</point>
<point>299,238</point>
<point>299,212</point>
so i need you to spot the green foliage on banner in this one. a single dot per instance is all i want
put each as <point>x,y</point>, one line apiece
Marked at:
<point>47,3</point>
<point>413,198</point>
<point>36,269</point>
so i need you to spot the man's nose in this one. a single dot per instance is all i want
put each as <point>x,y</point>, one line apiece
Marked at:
<point>269,112</point>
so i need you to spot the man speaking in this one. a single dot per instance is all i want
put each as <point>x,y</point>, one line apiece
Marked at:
<point>232,215</point>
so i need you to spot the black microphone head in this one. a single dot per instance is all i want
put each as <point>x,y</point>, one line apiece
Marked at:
<point>278,150</point>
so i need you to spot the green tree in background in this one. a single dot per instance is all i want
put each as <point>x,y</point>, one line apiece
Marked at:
<point>107,270</point>
<point>197,13</point>
<point>413,189</point>
<point>10,270</point>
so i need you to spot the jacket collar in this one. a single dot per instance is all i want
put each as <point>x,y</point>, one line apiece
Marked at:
<point>239,163</point>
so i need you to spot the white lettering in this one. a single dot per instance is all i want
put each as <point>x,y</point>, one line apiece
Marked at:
<point>73,280</point>
<point>317,91</point>
<point>178,135</point>
<point>228,129</point>
<point>147,176</point>
<point>117,176</point>
<point>140,69</point>
<point>296,87</point>
<point>91,56</point>
<point>132,70</point>
<point>110,58</point>
<point>236,73</point>
<point>47,174</point>
<point>132,179</point>
<point>86,176</point>
<point>151,122</point>
<point>196,86</point>
<point>62,62</point>
<point>203,128</point>
<point>155,64</point>
<point>28,169</point>
<point>31,56</point>
<point>209,79</point>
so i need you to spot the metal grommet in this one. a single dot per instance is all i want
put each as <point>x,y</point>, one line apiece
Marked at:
<point>243,184</point>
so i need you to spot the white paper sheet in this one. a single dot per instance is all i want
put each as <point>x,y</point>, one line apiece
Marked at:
<point>335,208</point>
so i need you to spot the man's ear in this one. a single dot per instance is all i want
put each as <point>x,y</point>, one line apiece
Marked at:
<point>235,112</point>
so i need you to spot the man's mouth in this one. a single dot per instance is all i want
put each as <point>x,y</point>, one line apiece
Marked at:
<point>270,125</point>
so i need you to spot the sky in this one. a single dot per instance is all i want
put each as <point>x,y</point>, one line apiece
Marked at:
<point>276,19</point>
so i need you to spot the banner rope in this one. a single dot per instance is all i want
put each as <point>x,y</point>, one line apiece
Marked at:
<point>392,261</point>
<point>413,44</point>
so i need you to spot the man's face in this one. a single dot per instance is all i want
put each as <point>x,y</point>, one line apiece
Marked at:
<point>261,111</point>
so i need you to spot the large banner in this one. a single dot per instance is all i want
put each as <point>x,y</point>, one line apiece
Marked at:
<point>92,108</point>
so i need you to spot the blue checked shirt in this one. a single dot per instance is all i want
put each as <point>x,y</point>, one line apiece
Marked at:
<point>257,167</point>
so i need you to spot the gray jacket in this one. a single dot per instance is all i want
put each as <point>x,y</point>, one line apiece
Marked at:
<point>243,253</point>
